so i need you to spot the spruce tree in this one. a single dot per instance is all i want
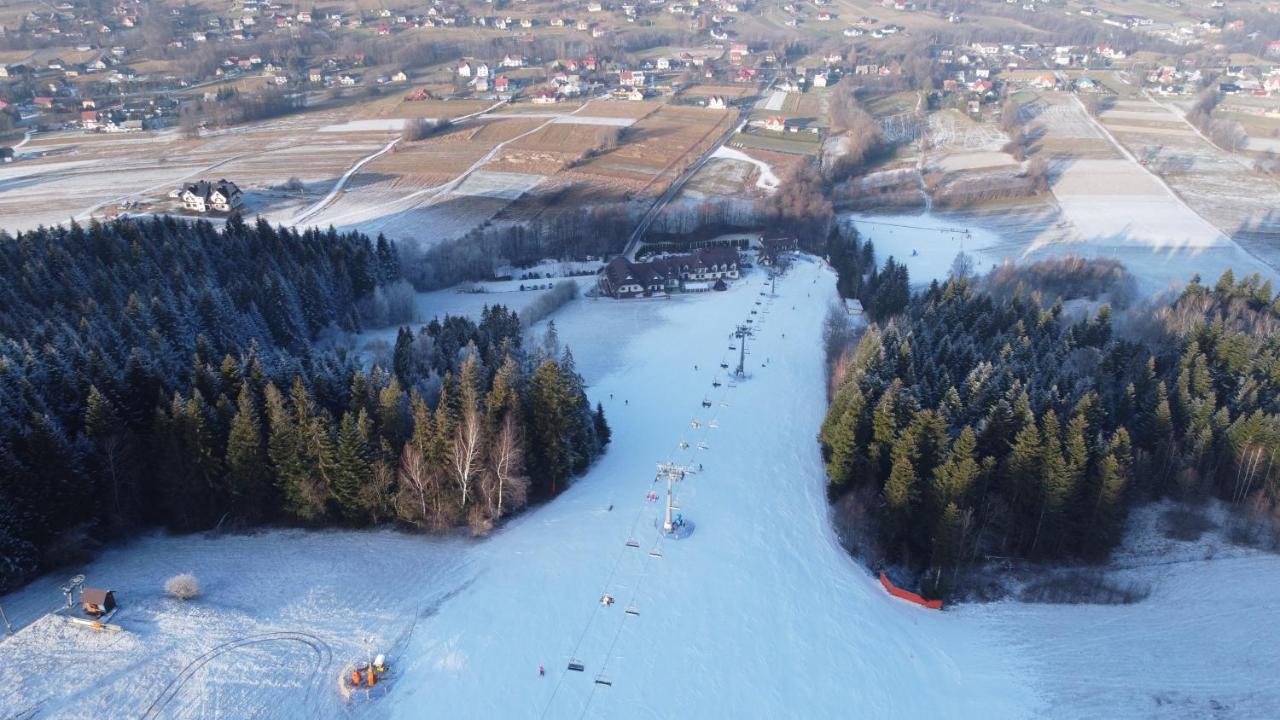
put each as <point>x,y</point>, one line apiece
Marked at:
<point>351,467</point>
<point>248,476</point>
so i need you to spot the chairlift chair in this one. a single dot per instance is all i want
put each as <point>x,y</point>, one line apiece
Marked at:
<point>655,553</point>
<point>631,542</point>
<point>695,424</point>
<point>684,445</point>
<point>724,365</point>
<point>715,383</point>
<point>703,446</point>
<point>714,424</point>
<point>576,666</point>
<point>633,610</point>
<point>602,680</point>
<point>706,403</point>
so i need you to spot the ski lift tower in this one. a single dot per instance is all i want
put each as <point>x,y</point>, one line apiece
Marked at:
<point>742,333</point>
<point>673,473</point>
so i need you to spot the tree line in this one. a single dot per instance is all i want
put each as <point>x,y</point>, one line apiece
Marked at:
<point>162,372</point>
<point>978,426</point>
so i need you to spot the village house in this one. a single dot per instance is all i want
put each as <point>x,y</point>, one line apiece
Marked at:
<point>205,196</point>
<point>622,278</point>
<point>776,123</point>
<point>631,78</point>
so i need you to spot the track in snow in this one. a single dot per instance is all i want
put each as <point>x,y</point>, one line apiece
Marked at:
<point>324,659</point>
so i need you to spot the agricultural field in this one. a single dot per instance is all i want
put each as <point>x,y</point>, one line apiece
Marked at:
<point>657,149</point>
<point>354,171</point>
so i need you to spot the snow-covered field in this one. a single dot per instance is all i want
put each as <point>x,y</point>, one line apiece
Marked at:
<point>774,102</point>
<point>766,180</point>
<point>369,125</point>
<point>758,613</point>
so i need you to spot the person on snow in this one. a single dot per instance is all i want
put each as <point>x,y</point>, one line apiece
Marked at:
<point>541,671</point>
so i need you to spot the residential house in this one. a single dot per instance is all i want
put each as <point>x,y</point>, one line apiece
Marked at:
<point>205,196</point>
<point>776,123</point>
<point>631,78</point>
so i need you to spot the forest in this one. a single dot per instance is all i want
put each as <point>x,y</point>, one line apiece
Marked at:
<point>161,373</point>
<point>984,423</point>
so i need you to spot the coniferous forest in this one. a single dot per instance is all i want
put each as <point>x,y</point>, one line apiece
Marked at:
<point>161,373</point>
<point>978,424</point>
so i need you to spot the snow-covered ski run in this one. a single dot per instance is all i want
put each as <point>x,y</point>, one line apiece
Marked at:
<point>754,612</point>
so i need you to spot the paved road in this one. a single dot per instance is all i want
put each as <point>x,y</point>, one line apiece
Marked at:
<point>637,236</point>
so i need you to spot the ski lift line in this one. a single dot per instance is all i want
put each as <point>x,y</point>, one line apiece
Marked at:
<point>962,231</point>
<point>604,664</point>
<point>591,619</point>
<point>654,553</point>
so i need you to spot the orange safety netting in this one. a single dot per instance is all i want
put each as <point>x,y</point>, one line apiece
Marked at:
<point>907,595</point>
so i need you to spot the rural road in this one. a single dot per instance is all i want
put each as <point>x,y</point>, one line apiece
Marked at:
<point>637,236</point>
<point>342,181</point>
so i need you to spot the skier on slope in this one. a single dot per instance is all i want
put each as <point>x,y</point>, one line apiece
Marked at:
<point>541,671</point>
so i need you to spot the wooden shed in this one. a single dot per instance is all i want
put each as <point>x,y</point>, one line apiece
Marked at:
<point>98,602</point>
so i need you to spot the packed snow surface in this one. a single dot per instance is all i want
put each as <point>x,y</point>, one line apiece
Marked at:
<point>756,613</point>
<point>767,180</point>
<point>368,125</point>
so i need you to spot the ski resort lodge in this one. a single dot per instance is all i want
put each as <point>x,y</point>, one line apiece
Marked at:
<point>698,270</point>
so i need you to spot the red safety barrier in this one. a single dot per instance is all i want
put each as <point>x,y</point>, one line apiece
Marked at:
<point>907,595</point>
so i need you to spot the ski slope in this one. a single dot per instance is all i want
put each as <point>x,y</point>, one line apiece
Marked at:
<point>758,612</point>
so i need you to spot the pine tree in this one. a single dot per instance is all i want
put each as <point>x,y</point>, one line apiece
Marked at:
<point>1021,470</point>
<point>603,433</point>
<point>248,477</point>
<point>352,469</point>
<point>402,357</point>
<point>115,446</point>
<point>900,496</point>
<point>1053,481</point>
<point>550,456</point>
